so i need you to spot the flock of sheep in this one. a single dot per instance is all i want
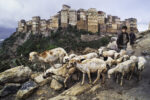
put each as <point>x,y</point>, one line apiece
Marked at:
<point>104,61</point>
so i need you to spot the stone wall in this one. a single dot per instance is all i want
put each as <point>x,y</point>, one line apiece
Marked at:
<point>43,25</point>
<point>22,26</point>
<point>101,17</point>
<point>92,20</point>
<point>64,18</point>
<point>54,22</point>
<point>35,24</point>
<point>82,24</point>
<point>82,14</point>
<point>72,17</point>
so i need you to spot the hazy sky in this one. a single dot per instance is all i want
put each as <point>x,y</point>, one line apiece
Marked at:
<point>11,11</point>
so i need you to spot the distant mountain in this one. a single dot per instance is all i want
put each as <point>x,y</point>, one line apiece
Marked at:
<point>6,32</point>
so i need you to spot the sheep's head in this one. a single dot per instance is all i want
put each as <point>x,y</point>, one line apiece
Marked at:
<point>48,73</point>
<point>126,57</point>
<point>72,63</point>
<point>65,59</point>
<point>123,52</point>
<point>134,58</point>
<point>116,55</point>
<point>100,50</point>
<point>33,56</point>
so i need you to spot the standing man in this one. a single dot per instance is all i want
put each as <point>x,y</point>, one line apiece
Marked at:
<point>132,38</point>
<point>123,39</point>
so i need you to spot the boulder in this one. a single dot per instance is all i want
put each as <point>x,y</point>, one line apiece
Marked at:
<point>34,75</point>
<point>15,75</point>
<point>41,81</point>
<point>94,88</point>
<point>9,88</point>
<point>26,90</point>
<point>77,89</point>
<point>56,85</point>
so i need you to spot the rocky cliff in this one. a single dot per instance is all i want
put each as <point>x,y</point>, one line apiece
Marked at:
<point>21,82</point>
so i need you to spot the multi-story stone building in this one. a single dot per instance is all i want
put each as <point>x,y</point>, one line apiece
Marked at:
<point>101,17</point>
<point>35,24</point>
<point>101,22</point>
<point>89,20</point>
<point>64,16</point>
<point>92,20</point>
<point>81,14</point>
<point>131,23</point>
<point>81,19</point>
<point>43,25</point>
<point>54,22</point>
<point>22,26</point>
<point>72,17</point>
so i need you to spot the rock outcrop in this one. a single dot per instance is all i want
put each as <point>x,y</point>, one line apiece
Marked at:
<point>15,75</point>
<point>41,81</point>
<point>26,90</point>
<point>9,88</point>
<point>56,85</point>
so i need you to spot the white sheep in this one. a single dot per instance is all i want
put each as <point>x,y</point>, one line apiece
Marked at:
<point>90,55</point>
<point>122,52</point>
<point>124,68</point>
<point>49,56</point>
<point>62,71</point>
<point>140,67</point>
<point>67,58</point>
<point>112,45</point>
<point>110,62</point>
<point>116,55</point>
<point>86,56</point>
<point>109,53</point>
<point>101,49</point>
<point>90,66</point>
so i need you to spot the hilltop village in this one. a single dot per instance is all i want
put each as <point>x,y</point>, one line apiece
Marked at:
<point>90,20</point>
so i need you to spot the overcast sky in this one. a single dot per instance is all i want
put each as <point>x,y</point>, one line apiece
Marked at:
<point>11,11</point>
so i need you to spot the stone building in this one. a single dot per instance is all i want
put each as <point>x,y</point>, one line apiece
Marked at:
<point>92,20</point>
<point>72,17</point>
<point>89,20</point>
<point>101,17</point>
<point>109,19</point>
<point>81,14</point>
<point>82,24</point>
<point>64,16</point>
<point>65,7</point>
<point>43,25</point>
<point>22,27</point>
<point>35,24</point>
<point>81,19</point>
<point>101,22</point>
<point>54,22</point>
<point>131,23</point>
